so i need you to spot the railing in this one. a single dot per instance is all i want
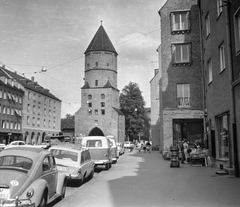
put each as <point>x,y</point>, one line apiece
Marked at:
<point>183,102</point>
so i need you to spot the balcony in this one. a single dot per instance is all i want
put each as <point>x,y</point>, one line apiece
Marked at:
<point>184,102</point>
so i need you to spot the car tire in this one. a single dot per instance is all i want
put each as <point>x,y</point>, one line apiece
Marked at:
<point>107,166</point>
<point>91,175</point>
<point>43,201</point>
<point>79,182</point>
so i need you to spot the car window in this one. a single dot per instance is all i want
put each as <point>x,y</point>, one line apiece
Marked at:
<point>15,143</point>
<point>83,157</point>
<point>52,161</point>
<point>16,161</point>
<point>88,155</point>
<point>21,143</point>
<point>46,164</point>
<point>94,143</point>
<point>65,154</point>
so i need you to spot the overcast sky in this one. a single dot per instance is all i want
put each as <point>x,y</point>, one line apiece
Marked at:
<point>56,33</point>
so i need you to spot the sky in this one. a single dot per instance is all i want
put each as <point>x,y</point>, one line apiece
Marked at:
<point>55,34</point>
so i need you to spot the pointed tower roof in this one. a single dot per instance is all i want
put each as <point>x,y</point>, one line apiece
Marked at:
<point>101,42</point>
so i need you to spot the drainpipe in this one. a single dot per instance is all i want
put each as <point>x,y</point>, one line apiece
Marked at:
<point>233,107</point>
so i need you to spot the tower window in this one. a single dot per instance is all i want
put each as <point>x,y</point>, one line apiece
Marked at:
<point>89,104</point>
<point>96,64</point>
<point>102,104</point>
<point>96,112</point>
<point>90,111</point>
<point>88,65</point>
<point>89,96</point>
<point>107,64</point>
<point>96,82</point>
<point>103,111</point>
<point>102,96</point>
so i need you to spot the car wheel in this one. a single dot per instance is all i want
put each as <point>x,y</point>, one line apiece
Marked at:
<point>43,201</point>
<point>107,166</point>
<point>91,175</point>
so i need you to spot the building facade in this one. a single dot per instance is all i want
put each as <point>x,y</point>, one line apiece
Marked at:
<point>11,106</point>
<point>180,82</point>
<point>99,113</point>
<point>220,23</point>
<point>41,110</point>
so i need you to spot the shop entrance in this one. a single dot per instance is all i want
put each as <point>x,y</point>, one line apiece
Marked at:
<point>190,129</point>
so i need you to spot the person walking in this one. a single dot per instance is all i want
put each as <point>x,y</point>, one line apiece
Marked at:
<point>185,146</point>
<point>182,152</point>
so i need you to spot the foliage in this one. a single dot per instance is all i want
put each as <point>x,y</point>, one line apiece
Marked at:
<point>68,122</point>
<point>132,105</point>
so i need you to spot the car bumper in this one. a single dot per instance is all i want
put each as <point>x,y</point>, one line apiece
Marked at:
<point>17,203</point>
<point>101,162</point>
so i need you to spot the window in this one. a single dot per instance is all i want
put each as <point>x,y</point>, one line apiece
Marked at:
<point>45,101</point>
<point>103,111</point>
<point>88,65</point>
<point>0,109</point>
<point>219,7</point>
<point>96,112</point>
<point>50,113</point>
<point>4,109</point>
<point>89,104</point>
<point>44,122</point>
<point>90,111</point>
<point>8,110</point>
<point>96,82</point>
<point>45,112</point>
<point>3,124</point>
<point>29,95</point>
<point>49,124</point>
<point>1,94</point>
<point>33,121</point>
<point>183,95</point>
<point>209,67</point>
<point>181,53</point>
<point>180,21</point>
<point>223,126</point>
<point>34,97</point>
<point>237,30</point>
<point>89,96</point>
<point>39,99</point>
<point>34,109</point>
<point>102,104</point>
<point>96,64</point>
<point>102,96</point>
<point>28,108</point>
<point>39,110</point>
<point>207,24</point>
<point>38,122</point>
<point>107,64</point>
<point>28,120</point>
<point>222,57</point>
<point>20,100</point>
<point>12,111</point>
<point>4,95</point>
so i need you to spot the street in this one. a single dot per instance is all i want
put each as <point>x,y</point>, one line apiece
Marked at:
<point>146,179</point>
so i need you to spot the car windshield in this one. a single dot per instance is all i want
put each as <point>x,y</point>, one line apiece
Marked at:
<point>65,154</point>
<point>16,161</point>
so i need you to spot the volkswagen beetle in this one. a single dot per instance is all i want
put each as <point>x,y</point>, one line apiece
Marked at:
<point>29,178</point>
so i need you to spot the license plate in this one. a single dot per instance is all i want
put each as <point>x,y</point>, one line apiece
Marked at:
<point>4,193</point>
<point>61,168</point>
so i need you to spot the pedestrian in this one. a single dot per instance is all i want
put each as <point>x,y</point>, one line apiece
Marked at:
<point>148,147</point>
<point>186,153</point>
<point>182,152</point>
<point>144,147</point>
<point>139,146</point>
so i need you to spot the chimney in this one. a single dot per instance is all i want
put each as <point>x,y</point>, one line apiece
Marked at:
<point>32,79</point>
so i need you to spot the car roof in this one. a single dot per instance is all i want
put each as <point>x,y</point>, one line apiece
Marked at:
<point>95,137</point>
<point>31,152</point>
<point>68,146</point>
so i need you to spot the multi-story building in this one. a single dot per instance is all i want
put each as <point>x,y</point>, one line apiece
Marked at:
<point>220,26</point>
<point>41,113</point>
<point>180,81</point>
<point>99,113</point>
<point>11,105</point>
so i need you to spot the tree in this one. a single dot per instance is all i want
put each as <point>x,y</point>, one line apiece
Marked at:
<point>132,105</point>
<point>68,122</point>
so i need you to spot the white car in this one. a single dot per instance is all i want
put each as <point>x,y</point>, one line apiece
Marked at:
<point>15,144</point>
<point>128,145</point>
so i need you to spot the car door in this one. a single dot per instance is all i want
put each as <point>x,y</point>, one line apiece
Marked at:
<point>49,175</point>
<point>83,163</point>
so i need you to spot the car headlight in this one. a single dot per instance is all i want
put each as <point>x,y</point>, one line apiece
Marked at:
<point>30,193</point>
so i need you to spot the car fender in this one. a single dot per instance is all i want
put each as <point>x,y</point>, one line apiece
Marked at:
<point>62,180</point>
<point>38,186</point>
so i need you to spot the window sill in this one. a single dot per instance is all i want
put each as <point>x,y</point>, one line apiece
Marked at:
<point>177,32</point>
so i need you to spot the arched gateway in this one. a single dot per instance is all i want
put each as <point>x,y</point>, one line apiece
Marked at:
<point>96,132</point>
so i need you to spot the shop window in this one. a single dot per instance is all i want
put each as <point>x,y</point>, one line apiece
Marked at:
<point>183,95</point>
<point>223,126</point>
<point>181,54</point>
<point>180,21</point>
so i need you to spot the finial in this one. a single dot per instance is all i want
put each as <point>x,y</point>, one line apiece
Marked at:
<point>101,22</point>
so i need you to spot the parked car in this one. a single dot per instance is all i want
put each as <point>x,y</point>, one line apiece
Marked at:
<point>120,148</point>
<point>100,149</point>
<point>74,161</point>
<point>128,145</point>
<point>29,177</point>
<point>2,147</point>
<point>15,144</point>
<point>114,150</point>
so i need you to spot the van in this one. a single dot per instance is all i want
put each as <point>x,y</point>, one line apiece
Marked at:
<point>100,150</point>
<point>114,150</point>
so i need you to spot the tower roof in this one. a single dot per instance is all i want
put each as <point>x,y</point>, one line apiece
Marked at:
<point>101,42</point>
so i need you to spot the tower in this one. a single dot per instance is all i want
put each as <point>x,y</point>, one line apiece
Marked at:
<point>99,113</point>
